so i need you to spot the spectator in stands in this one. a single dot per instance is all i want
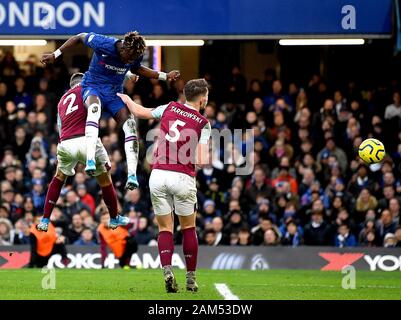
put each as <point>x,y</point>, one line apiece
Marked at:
<point>134,201</point>
<point>344,238</point>
<point>258,185</point>
<point>244,237</point>
<point>215,194</point>
<point>59,220</point>
<point>221,237</point>
<point>364,202</point>
<point>281,150</point>
<point>21,95</point>
<point>317,231</point>
<point>21,142</point>
<point>308,177</point>
<point>394,207</point>
<point>385,225</point>
<point>393,110</point>
<point>398,236</point>
<point>388,194</point>
<point>86,198</point>
<point>236,86</point>
<point>21,233</point>
<point>332,149</point>
<point>259,230</point>
<point>291,236</point>
<point>235,221</point>
<point>4,96</point>
<point>315,192</point>
<point>271,238</point>
<point>86,238</point>
<point>278,127</point>
<point>209,209</point>
<point>5,229</point>
<point>72,204</point>
<point>255,92</point>
<point>390,241</point>
<point>368,239</point>
<point>143,234</point>
<point>277,93</point>
<point>76,228</point>
<point>361,180</point>
<point>38,194</point>
<point>284,176</point>
<point>209,238</point>
<point>263,209</point>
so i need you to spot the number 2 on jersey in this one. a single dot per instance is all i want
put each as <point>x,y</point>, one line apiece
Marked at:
<point>71,107</point>
<point>174,129</point>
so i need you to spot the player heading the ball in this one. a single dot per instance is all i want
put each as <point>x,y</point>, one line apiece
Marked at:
<point>113,60</point>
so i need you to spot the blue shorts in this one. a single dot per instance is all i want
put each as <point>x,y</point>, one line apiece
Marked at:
<point>109,99</point>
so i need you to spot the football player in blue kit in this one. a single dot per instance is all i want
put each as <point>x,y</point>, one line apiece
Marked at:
<point>113,60</point>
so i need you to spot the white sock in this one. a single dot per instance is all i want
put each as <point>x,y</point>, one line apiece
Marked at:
<point>131,145</point>
<point>92,130</point>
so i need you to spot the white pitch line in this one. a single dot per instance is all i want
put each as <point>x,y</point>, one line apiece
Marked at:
<point>225,291</point>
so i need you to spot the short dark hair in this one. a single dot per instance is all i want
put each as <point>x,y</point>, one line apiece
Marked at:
<point>209,231</point>
<point>194,88</point>
<point>76,78</point>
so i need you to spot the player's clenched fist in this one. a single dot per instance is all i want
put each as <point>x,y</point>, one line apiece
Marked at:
<point>173,75</point>
<point>47,58</point>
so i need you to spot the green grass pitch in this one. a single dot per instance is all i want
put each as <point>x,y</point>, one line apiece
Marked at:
<point>246,284</point>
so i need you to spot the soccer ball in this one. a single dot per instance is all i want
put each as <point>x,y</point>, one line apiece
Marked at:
<point>371,151</point>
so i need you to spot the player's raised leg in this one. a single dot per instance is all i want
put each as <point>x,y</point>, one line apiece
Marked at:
<point>93,105</point>
<point>190,248</point>
<point>52,196</point>
<point>131,146</point>
<point>110,199</point>
<point>165,243</point>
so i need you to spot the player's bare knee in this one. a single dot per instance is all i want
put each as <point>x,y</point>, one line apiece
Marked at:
<point>165,223</point>
<point>104,179</point>
<point>91,100</point>
<point>187,226</point>
<point>187,222</point>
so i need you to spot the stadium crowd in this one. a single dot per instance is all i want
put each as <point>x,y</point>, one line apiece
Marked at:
<point>308,186</point>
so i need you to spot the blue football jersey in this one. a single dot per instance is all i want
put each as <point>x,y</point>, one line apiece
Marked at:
<point>106,68</point>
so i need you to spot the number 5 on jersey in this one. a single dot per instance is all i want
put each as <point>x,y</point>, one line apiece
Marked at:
<point>174,129</point>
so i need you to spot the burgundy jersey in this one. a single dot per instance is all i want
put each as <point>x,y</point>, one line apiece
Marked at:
<point>71,114</point>
<point>180,131</point>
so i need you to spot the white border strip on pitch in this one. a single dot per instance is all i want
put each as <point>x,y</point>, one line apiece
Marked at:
<point>225,291</point>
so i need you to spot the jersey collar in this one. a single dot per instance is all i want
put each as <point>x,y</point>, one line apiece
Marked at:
<point>189,106</point>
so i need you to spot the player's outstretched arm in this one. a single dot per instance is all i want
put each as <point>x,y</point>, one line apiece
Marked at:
<point>136,109</point>
<point>50,57</point>
<point>153,74</point>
